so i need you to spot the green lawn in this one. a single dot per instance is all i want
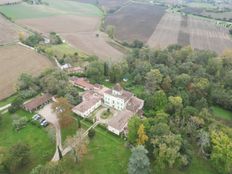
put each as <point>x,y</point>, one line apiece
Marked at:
<point>7,100</point>
<point>69,131</point>
<point>27,11</point>
<point>198,166</point>
<point>107,154</point>
<point>222,113</point>
<point>37,138</point>
<point>60,50</point>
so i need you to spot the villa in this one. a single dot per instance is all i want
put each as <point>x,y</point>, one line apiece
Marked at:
<point>126,104</point>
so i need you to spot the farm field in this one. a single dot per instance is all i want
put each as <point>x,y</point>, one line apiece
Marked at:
<point>9,1</point>
<point>8,31</point>
<point>68,18</point>
<point>15,60</point>
<point>107,4</point>
<point>135,21</point>
<point>198,33</point>
<point>89,43</point>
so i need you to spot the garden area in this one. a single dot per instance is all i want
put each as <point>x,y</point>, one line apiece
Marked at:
<point>107,154</point>
<point>37,138</point>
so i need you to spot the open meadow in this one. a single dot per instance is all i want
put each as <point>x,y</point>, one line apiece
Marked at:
<point>68,18</point>
<point>15,60</point>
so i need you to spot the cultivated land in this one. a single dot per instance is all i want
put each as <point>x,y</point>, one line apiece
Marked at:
<point>89,43</point>
<point>15,60</point>
<point>107,4</point>
<point>135,21</point>
<point>9,1</point>
<point>9,32</point>
<point>165,34</point>
<point>68,18</point>
<point>188,30</point>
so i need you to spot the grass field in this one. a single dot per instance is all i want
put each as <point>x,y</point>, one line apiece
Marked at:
<point>222,113</point>
<point>41,147</point>
<point>7,100</point>
<point>15,60</point>
<point>107,154</point>
<point>55,8</point>
<point>198,166</point>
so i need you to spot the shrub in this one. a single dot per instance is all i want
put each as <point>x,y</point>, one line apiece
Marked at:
<point>19,123</point>
<point>91,133</point>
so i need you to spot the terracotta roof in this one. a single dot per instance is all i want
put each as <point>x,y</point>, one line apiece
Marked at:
<point>125,95</point>
<point>36,102</point>
<point>75,70</point>
<point>135,104</point>
<point>90,98</point>
<point>117,87</point>
<point>85,105</point>
<point>120,120</point>
<point>83,83</point>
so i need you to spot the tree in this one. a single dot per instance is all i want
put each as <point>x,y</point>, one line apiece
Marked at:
<point>63,110</point>
<point>55,39</point>
<point>49,168</point>
<point>133,126</point>
<point>79,145</point>
<point>17,157</point>
<point>160,100</point>
<point>167,151</point>
<point>95,72</point>
<point>139,162</point>
<point>33,40</point>
<point>153,80</point>
<point>203,141</point>
<point>110,31</point>
<point>91,133</point>
<point>142,137</point>
<point>221,156</point>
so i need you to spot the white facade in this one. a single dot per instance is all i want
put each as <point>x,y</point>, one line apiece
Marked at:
<point>115,131</point>
<point>114,102</point>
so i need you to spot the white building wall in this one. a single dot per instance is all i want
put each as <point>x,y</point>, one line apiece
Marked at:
<point>115,131</point>
<point>89,111</point>
<point>114,102</point>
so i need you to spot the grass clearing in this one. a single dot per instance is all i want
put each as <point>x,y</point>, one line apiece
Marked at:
<point>55,8</point>
<point>222,113</point>
<point>7,101</point>
<point>107,154</point>
<point>37,138</point>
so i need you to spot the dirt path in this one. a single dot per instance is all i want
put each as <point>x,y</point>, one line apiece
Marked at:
<point>51,117</point>
<point>69,148</point>
<point>5,107</point>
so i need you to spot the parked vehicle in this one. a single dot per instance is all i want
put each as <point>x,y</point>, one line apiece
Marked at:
<point>36,117</point>
<point>45,124</point>
<point>42,120</point>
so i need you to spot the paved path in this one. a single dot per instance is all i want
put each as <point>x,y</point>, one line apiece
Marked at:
<point>5,107</point>
<point>69,148</point>
<point>51,117</point>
